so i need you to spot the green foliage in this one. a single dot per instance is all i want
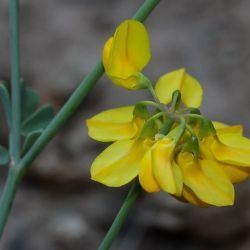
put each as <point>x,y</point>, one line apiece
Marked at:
<point>33,121</point>
<point>30,140</point>
<point>207,128</point>
<point>4,156</point>
<point>5,99</point>
<point>38,120</point>
<point>30,100</point>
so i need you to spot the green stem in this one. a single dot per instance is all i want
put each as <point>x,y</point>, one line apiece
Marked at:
<point>63,115</point>
<point>7,197</point>
<point>121,216</point>
<point>167,126</point>
<point>150,103</point>
<point>145,10</point>
<point>152,91</point>
<point>15,82</point>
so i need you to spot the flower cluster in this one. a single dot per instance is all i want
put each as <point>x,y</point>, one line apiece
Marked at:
<point>167,143</point>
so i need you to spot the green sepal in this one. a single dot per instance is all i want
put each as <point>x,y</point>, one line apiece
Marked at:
<point>149,129</point>
<point>5,99</point>
<point>192,120</point>
<point>195,111</point>
<point>142,81</point>
<point>192,146</point>
<point>141,111</point>
<point>30,100</point>
<point>206,128</point>
<point>4,156</point>
<point>176,100</point>
<point>167,126</point>
<point>176,133</point>
<point>38,120</point>
<point>30,140</point>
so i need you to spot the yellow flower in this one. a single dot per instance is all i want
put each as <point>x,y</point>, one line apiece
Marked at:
<point>230,149</point>
<point>191,90</point>
<point>119,163</point>
<point>158,169</point>
<point>126,54</point>
<point>205,182</point>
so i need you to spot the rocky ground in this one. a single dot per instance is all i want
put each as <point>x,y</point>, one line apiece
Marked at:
<point>57,207</point>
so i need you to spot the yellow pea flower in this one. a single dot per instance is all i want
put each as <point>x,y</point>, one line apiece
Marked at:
<point>119,163</point>
<point>230,149</point>
<point>158,169</point>
<point>191,90</point>
<point>126,54</point>
<point>205,183</point>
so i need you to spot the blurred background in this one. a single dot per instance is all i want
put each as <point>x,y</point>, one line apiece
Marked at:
<point>57,206</point>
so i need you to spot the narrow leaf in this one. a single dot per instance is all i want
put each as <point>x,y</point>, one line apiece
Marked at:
<point>30,100</point>
<point>38,120</point>
<point>4,156</point>
<point>30,140</point>
<point>5,99</point>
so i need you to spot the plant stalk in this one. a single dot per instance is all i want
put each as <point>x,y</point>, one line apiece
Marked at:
<point>7,196</point>
<point>121,216</point>
<point>15,82</point>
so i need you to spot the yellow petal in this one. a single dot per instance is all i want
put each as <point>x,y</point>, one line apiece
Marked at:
<point>106,52</point>
<point>235,173</point>
<point>146,177</point>
<point>113,124</point>
<point>189,196</point>
<point>232,149</point>
<point>129,53</point>
<point>119,163</point>
<point>207,180</point>
<point>166,173</point>
<point>224,128</point>
<point>191,92</point>
<point>168,83</point>
<point>189,87</point>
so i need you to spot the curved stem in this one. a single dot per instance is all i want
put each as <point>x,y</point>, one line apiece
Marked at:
<point>167,126</point>
<point>152,91</point>
<point>121,216</point>
<point>63,115</point>
<point>150,103</point>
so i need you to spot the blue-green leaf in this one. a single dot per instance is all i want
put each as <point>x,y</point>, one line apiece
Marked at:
<point>38,120</point>
<point>30,140</point>
<point>4,156</point>
<point>5,99</point>
<point>30,100</point>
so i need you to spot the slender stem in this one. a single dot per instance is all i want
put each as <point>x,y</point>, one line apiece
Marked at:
<point>167,126</point>
<point>15,83</point>
<point>150,103</point>
<point>63,115</point>
<point>121,216</point>
<point>7,196</point>
<point>160,105</point>
<point>145,10</point>
<point>152,91</point>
